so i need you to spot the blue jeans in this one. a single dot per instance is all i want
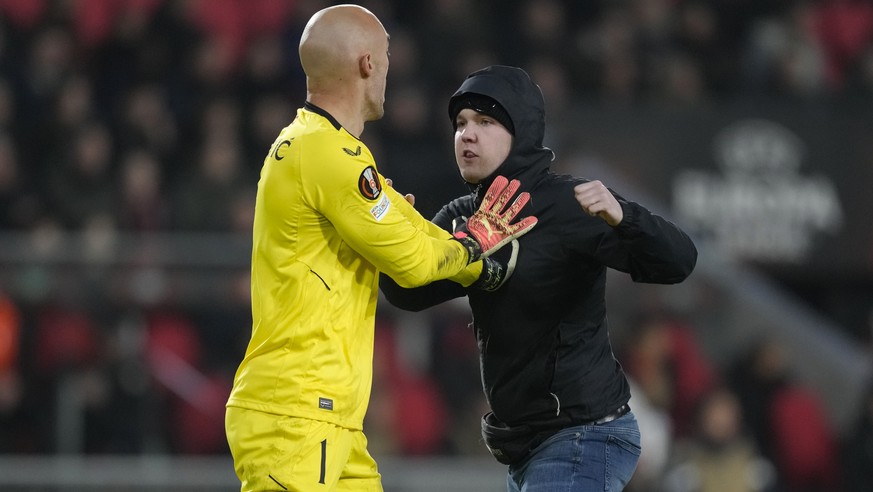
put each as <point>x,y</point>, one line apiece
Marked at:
<point>586,458</point>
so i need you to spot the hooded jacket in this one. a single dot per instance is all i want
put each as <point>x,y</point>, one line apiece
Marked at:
<point>543,336</point>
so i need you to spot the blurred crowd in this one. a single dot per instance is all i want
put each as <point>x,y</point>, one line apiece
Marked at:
<point>152,116</point>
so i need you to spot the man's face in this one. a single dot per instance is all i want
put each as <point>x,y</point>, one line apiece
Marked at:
<point>481,145</point>
<point>376,91</point>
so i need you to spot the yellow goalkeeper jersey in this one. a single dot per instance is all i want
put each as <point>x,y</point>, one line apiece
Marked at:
<point>325,225</point>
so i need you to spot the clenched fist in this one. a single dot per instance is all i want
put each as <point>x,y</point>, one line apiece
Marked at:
<point>597,200</point>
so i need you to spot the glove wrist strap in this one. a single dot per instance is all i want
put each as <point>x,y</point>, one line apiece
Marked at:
<point>492,276</point>
<point>474,250</point>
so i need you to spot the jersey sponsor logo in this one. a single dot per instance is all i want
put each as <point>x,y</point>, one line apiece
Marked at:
<point>325,403</point>
<point>381,208</point>
<point>353,153</point>
<point>368,184</point>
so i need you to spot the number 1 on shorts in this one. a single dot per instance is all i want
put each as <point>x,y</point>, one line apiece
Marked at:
<point>323,460</point>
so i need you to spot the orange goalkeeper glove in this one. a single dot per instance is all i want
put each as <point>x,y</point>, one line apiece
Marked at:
<point>489,229</point>
<point>497,268</point>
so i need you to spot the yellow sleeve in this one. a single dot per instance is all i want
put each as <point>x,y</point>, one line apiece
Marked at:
<point>466,276</point>
<point>350,193</point>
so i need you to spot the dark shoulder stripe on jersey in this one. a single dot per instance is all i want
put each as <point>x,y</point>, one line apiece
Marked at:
<point>315,109</point>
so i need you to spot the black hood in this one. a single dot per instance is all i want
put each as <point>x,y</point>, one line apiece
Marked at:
<point>513,89</point>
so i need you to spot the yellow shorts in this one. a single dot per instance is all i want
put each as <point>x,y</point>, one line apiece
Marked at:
<point>281,453</point>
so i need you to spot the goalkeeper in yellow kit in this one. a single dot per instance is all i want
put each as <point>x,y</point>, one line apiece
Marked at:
<point>326,224</point>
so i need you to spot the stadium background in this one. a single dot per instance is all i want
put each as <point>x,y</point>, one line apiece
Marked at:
<point>131,136</point>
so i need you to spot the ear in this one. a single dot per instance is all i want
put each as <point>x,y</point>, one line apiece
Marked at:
<point>365,65</point>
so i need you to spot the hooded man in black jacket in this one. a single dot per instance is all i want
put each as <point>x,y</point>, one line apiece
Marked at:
<point>558,397</point>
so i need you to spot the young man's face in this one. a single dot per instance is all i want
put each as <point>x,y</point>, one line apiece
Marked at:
<point>481,145</point>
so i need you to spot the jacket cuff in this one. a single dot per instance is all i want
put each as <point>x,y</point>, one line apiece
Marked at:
<point>630,223</point>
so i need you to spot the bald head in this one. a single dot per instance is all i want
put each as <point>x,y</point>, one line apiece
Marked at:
<point>334,40</point>
<point>344,53</point>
